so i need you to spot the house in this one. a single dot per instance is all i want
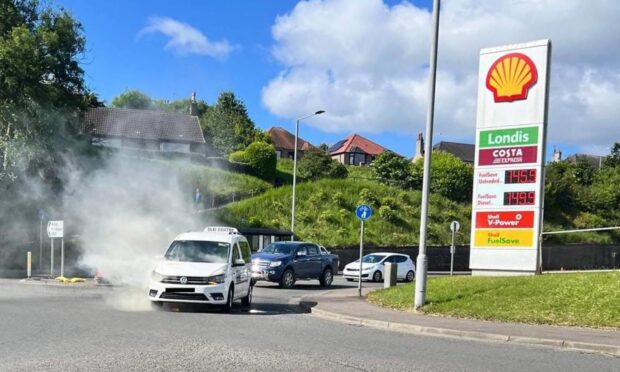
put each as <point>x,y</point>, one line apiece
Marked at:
<point>146,130</point>
<point>355,150</point>
<point>595,161</point>
<point>284,142</point>
<point>464,151</point>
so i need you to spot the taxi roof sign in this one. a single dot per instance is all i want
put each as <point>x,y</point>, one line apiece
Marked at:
<point>221,229</point>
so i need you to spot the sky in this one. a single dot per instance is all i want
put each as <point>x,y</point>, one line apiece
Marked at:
<point>365,62</point>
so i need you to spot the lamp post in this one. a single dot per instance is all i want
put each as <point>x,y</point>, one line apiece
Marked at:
<point>295,170</point>
<point>422,260</point>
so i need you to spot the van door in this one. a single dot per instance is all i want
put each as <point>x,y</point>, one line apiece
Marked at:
<point>240,273</point>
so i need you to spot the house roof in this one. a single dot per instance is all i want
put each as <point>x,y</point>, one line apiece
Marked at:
<point>594,160</point>
<point>464,151</point>
<point>143,124</point>
<point>356,143</point>
<point>284,139</point>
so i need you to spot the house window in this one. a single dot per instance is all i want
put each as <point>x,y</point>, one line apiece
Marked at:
<point>351,159</point>
<point>278,154</point>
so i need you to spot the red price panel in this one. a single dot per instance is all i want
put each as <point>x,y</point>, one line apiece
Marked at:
<point>519,198</point>
<point>520,176</point>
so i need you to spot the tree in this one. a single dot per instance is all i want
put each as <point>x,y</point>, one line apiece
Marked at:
<point>133,99</point>
<point>450,176</point>
<point>392,169</point>
<point>41,87</point>
<point>315,165</point>
<point>613,160</point>
<point>262,158</point>
<point>228,126</point>
<point>560,191</point>
<point>584,171</point>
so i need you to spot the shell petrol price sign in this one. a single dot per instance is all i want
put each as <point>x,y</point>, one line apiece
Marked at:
<point>511,128</point>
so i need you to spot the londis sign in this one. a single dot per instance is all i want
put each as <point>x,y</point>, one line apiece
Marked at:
<point>509,137</point>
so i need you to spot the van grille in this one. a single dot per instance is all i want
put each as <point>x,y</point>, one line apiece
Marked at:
<point>184,296</point>
<point>194,280</point>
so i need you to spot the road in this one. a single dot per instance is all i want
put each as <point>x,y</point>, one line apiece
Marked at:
<point>44,328</point>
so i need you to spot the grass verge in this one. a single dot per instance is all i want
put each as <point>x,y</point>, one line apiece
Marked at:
<point>577,299</point>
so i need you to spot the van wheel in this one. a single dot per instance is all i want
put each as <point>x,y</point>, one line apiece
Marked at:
<point>288,279</point>
<point>229,300</point>
<point>247,300</point>
<point>326,278</point>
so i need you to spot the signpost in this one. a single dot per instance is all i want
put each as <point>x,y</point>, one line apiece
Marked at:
<point>454,227</point>
<point>363,212</point>
<point>55,229</point>
<point>510,156</point>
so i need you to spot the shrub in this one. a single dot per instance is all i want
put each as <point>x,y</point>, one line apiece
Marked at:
<point>368,197</point>
<point>393,170</point>
<point>387,213</point>
<point>237,156</point>
<point>315,165</point>
<point>262,158</point>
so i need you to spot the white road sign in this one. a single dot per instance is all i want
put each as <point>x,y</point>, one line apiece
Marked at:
<point>55,229</point>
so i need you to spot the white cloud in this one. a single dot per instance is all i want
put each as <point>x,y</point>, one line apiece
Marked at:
<point>185,39</point>
<point>365,63</point>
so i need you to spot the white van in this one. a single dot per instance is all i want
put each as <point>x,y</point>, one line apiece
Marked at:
<point>207,267</point>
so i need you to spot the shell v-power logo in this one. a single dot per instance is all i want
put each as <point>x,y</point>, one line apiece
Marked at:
<point>511,77</point>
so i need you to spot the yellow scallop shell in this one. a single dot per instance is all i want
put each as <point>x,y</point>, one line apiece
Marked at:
<point>511,76</point>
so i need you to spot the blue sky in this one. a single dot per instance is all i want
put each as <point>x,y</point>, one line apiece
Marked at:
<point>310,50</point>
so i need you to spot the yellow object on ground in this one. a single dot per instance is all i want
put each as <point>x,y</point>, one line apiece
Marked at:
<point>77,280</point>
<point>62,279</point>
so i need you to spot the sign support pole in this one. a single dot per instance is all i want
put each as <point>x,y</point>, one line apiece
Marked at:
<point>52,258</point>
<point>359,282</point>
<point>62,256</point>
<point>452,251</point>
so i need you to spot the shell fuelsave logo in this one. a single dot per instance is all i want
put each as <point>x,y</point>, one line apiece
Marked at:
<point>511,77</point>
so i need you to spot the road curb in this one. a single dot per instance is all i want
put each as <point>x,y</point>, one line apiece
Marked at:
<point>458,334</point>
<point>55,283</point>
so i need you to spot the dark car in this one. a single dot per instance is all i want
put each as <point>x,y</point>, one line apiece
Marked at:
<point>286,262</point>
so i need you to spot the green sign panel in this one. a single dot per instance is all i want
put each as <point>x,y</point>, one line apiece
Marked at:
<point>509,137</point>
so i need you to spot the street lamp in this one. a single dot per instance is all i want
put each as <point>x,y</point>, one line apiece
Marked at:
<point>295,170</point>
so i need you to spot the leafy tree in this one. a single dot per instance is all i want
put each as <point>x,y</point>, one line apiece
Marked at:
<point>228,126</point>
<point>41,88</point>
<point>584,171</point>
<point>560,191</point>
<point>262,158</point>
<point>132,99</point>
<point>315,165</point>
<point>450,176</point>
<point>613,160</point>
<point>393,170</point>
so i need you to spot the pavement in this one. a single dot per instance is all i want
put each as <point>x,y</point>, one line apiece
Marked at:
<point>346,306</point>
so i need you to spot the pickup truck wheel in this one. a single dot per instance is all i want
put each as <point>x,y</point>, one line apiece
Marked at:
<point>247,300</point>
<point>326,278</point>
<point>288,279</point>
<point>376,277</point>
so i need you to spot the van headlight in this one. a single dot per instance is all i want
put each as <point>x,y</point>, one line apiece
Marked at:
<point>157,277</point>
<point>275,263</point>
<point>216,279</point>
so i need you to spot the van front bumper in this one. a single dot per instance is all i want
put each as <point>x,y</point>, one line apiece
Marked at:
<point>201,294</point>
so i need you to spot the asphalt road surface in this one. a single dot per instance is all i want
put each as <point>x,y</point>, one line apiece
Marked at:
<point>44,328</point>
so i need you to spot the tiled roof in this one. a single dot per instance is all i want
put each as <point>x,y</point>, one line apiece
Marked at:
<point>143,124</point>
<point>464,151</point>
<point>356,143</point>
<point>284,139</point>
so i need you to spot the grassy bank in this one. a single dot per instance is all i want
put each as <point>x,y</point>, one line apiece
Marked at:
<point>579,299</point>
<point>325,213</point>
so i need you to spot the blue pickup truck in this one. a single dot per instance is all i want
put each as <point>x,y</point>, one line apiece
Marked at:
<point>285,262</point>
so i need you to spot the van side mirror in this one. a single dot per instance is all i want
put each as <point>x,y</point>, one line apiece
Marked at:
<point>239,262</point>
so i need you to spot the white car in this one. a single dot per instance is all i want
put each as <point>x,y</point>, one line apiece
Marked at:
<point>207,267</point>
<point>373,265</point>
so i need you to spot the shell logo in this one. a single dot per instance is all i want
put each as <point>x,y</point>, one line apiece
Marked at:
<point>511,77</point>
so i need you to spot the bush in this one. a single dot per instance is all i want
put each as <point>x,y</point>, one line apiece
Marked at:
<point>387,213</point>
<point>393,170</point>
<point>315,165</point>
<point>262,158</point>
<point>368,197</point>
<point>450,177</point>
<point>238,156</point>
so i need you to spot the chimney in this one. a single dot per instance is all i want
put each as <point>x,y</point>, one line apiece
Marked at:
<point>557,155</point>
<point>193,106</point>
<point>419,147</point>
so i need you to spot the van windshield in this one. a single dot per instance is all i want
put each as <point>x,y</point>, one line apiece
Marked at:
<point>197,251</point>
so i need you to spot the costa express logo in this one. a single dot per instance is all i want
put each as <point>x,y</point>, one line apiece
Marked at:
<point>511,77</point>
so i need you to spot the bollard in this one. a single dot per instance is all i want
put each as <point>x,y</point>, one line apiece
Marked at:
<point>29,265</point>
<point>389,274</point>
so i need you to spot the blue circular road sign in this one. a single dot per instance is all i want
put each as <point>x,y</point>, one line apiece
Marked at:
<point>363,212</point>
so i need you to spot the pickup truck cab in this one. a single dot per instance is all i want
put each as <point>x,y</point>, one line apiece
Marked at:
<point>286,262</point>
